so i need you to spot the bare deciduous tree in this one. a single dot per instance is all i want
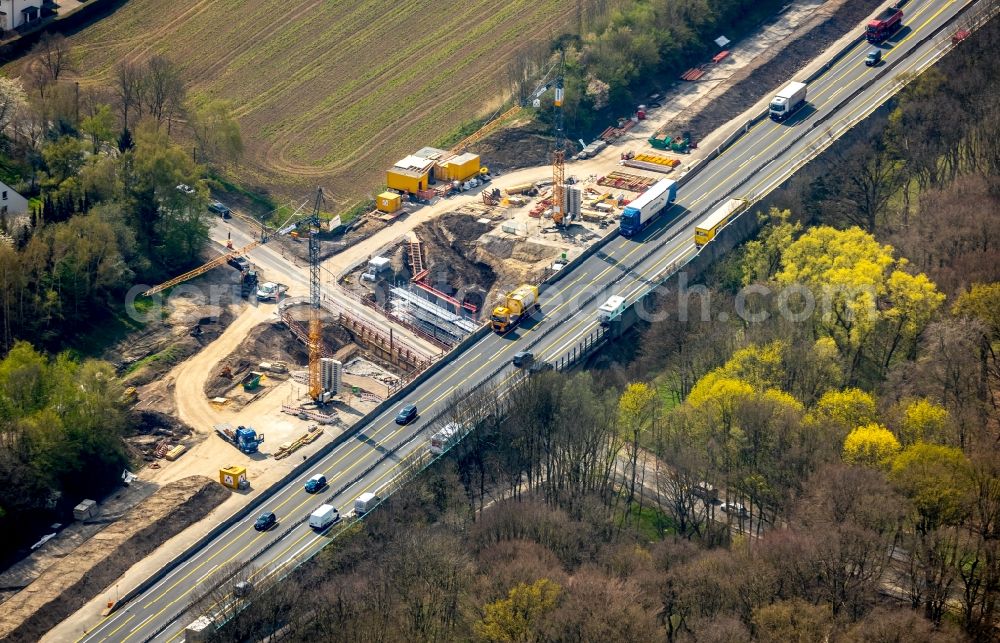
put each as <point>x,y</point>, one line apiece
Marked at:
<point>869,179</point>
<point>128,89</point>
<point>162,89</point>
<point>52,53</point>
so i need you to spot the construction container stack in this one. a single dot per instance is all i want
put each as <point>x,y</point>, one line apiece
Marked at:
<point>458,168</point>
<point>416,172</point>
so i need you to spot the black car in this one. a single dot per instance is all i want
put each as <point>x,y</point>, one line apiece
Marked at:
<point>873,58</point>
<point>266,521</point>
<point>220,209</point>
<point>240,263</point>
<point>523,358</point>
<point>406,414</point>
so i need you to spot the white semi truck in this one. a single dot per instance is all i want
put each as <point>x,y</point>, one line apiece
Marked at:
<point>789,99</point>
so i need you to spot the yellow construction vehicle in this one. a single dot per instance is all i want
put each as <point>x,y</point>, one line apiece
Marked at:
<point>516,306</point>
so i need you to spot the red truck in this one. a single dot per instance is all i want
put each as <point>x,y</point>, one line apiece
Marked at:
<point>884,25</point>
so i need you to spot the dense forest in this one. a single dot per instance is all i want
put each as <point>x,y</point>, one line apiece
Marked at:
<point>779,473</point>
<point>100,167</point>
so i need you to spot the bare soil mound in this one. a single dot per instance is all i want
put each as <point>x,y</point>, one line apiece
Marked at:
<point>513,148</point>
<point>65,586</point>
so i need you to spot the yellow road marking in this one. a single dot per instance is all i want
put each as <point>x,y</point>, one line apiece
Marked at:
<point>112,632</point>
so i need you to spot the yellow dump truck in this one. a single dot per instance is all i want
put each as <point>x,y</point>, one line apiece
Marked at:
<point>516,306</point>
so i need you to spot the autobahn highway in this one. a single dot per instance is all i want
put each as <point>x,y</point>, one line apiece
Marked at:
<point>763,158</point>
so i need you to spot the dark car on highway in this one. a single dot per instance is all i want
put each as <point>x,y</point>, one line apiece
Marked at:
<point>266,521</point>
<point>315,483</point>
<point>406,414</point>
<point>523,359</point>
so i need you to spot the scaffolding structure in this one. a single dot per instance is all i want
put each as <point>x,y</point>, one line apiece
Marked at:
<point>441,322</point>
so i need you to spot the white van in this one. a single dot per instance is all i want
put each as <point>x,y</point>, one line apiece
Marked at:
<point>611,309</point>
<point>323,517</point>
<point>443,439</point>
<point>364,503</point>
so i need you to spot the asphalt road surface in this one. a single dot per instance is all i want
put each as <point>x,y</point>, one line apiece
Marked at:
<point>626,267</point>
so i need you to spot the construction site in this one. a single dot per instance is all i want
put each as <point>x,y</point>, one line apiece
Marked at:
<point>255,384</point>
<point>327,320</point>
<point>440,277</point>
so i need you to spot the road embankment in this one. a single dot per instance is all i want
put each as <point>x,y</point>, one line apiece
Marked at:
<point>70,583</point>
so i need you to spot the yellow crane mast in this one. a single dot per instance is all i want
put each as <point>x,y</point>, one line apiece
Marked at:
<point>200,270</point>
<point>315,326</point>
<point>559,155</point>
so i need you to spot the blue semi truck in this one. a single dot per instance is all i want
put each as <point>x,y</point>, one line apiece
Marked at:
<point>644,210</point>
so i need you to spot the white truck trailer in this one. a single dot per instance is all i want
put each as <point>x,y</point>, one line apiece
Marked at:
<point>789,99</point>
<point>442,440</point>
<point>611,310</point>
<point>644,210</point>
<point>365,503</point>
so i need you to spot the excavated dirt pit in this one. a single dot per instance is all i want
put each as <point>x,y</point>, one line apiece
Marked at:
<point>274,342</point>
<point>468,257</point>
<point>270,342</point>
<point>452,258</point>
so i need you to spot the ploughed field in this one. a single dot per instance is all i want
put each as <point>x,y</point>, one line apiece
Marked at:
<point>329,92</point>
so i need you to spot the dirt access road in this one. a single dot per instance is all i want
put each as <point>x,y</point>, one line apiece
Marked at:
<point>193,406</point>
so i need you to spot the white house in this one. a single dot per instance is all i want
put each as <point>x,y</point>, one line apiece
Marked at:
<point>12,204</point>
<point>14,13</point>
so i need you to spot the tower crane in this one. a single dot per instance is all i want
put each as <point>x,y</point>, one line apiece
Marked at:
<point>559,154</point>
<point>315,327</point>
